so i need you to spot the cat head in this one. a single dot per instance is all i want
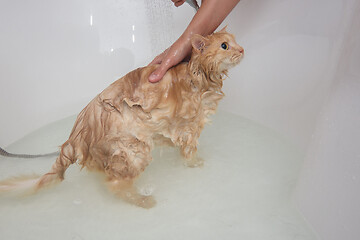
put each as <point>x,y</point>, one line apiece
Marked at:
<point>217,52</point>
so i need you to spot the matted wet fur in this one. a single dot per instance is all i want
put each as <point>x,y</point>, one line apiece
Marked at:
<point>117,130</point>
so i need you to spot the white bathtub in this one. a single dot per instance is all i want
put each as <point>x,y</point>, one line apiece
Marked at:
<point>300,77</point>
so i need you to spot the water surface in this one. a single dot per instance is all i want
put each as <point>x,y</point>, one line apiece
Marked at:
<point>243,191</point>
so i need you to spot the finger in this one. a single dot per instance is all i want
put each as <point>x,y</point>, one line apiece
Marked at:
<point>159,73</point>
<point>157,60</point>
<point>179,3</point>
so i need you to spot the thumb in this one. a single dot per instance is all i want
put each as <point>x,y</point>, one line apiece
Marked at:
<point>159,73</point>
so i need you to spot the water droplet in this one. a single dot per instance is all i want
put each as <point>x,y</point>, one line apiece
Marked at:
<point>147,190</point>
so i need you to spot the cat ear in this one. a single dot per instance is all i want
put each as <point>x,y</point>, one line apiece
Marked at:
<point>223,30</point>
<point>198,42</point>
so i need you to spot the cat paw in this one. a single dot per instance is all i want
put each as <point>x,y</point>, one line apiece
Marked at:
<point>194,162</point>
<point>146,202</point>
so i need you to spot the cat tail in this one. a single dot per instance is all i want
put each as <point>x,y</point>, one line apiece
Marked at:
<point>35,183</point>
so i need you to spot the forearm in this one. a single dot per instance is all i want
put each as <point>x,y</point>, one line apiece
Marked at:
<point>209,16</point>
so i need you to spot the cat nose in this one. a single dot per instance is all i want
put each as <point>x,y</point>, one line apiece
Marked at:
<point>241,50</point>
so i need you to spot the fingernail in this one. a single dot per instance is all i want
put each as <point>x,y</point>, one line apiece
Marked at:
<point>152,77</point>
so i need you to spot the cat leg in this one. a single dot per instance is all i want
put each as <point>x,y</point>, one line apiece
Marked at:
<point>127,160</point>
<point>192,160</point>
<point>188,149</point>
<point>126,191</point>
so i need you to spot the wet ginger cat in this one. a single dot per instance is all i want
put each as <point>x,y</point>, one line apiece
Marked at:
<point>117,130</point>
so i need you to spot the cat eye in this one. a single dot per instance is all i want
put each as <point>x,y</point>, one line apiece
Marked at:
<point>225,46</point>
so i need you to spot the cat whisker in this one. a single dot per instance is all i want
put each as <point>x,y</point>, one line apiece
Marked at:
<point>236,58</point>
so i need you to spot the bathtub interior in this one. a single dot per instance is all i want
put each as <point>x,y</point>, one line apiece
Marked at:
<point>242,191</point>
<point>299,78</point>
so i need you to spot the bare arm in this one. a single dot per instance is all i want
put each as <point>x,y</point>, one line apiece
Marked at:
<point>209,16</point>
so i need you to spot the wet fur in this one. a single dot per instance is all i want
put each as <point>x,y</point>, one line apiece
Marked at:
<point>116,132</point>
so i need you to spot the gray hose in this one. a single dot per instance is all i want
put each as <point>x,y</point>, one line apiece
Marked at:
<point>7,154</point>
<point>193,3</point>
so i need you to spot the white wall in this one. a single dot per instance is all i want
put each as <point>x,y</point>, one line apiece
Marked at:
<point>291,51</point>
<point>53,60</point>
<point>55,56</point>
<point>328,193</point>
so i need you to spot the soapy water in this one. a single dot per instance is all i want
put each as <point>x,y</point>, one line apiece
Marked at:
<point>243,191</point>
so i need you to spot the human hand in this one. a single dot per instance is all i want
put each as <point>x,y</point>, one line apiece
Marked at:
<point>178,3</point>
<point>205,21</point>
<point>169,58</point>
